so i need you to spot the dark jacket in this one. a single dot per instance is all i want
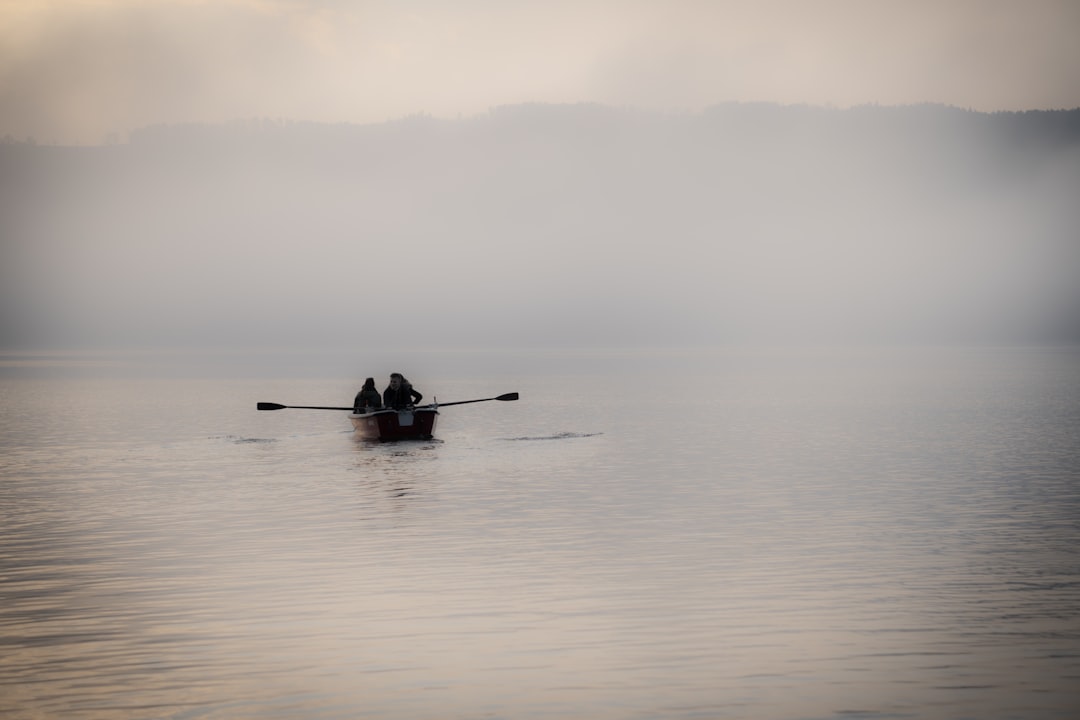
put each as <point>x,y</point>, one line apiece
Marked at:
<point>405,395</point>
<point>367,398</point>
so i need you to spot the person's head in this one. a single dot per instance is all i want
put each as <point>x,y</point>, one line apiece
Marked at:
<point>396,380</point>
<point>369,384</point>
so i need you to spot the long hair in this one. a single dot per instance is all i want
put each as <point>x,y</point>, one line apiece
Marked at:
<point>369,384</point>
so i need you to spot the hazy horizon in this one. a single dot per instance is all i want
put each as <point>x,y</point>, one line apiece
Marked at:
<point>282,173</point>
<point>553,226</point>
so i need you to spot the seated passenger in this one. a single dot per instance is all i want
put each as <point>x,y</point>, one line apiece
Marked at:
<point>400,393</point>
<point>368,398</point>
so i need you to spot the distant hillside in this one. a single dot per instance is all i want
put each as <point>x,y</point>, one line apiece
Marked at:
<point>554,225</point>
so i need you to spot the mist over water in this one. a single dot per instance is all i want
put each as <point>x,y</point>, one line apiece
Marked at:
<point>701,506</point>
<point>799,426</point>
<point>555,226</point>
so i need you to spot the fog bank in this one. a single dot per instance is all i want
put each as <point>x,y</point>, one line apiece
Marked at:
<point>552,226</point>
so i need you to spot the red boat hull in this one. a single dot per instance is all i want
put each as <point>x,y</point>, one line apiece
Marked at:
<point>416,424</point>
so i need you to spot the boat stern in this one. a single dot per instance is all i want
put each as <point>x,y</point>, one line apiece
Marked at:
<point>408,424</point>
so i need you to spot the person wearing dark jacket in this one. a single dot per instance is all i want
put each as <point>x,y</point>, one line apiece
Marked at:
<point>367,398</point>
<point>400,393</point>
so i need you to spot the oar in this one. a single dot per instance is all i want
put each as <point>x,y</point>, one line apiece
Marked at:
<point>275,406</point>
<point>507,396</point>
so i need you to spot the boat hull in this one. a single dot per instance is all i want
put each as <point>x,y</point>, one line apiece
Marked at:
<point>415,424</point>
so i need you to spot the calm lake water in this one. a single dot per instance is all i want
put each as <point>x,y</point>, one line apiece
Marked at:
<point>738,534</point>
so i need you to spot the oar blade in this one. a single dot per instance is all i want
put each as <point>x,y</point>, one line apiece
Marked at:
<point>507,396</point>
<point>271,406</point>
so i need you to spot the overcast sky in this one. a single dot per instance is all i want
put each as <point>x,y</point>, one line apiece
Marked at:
<point>76,71</point>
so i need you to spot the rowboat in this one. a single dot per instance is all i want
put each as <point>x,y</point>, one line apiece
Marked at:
<point>409,424</point>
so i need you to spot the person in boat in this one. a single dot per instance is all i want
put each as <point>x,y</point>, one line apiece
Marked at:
<point>400,393</point>
<point>368,398</point>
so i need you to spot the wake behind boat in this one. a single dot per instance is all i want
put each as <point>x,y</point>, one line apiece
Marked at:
<point>410,423</point>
